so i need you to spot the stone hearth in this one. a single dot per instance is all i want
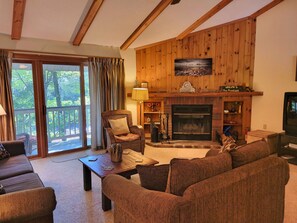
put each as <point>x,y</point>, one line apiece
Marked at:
<point>185,144</point>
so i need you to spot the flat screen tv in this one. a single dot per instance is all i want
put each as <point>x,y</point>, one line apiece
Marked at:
<point>290,113</point>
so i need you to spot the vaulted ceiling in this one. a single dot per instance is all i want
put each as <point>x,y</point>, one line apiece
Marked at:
<point>120,23</point>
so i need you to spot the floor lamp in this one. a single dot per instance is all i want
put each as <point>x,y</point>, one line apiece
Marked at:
<point>140,95</point>
<point>2,112</point>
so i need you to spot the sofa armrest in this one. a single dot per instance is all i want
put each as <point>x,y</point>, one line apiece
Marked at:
<point>212,152</point>
<point>23,206</point>
<point>137,130</point>
<point>145,205</point>
<point>15,147</point>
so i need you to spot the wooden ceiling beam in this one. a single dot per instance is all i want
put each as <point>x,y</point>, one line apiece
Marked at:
<point>17,19</point>
<point>265,8</point>
<point>87,22</point>
<point>204,18</point>
<point>146,22</point>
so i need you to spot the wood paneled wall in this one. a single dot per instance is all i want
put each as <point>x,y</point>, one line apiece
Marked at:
<point>231,47</point>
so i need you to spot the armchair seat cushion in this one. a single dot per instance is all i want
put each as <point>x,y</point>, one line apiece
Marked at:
<point>126,137</point>
<point>15,165</point>
<point>22,182</point>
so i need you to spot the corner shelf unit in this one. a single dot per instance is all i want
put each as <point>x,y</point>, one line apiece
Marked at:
<point>151,110</point>
<point>234,116</point>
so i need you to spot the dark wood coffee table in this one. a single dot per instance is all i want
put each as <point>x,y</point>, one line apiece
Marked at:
<point>102,166</point>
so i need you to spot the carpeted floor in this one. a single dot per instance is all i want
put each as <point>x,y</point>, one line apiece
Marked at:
<point>74,205</point>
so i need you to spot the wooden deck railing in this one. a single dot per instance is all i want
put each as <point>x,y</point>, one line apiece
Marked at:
<point>62,122</point>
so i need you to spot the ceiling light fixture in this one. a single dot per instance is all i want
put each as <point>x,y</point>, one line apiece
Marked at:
<point>175,2</point>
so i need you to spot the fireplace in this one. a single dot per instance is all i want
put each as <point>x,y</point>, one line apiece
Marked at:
<point>192,122</point>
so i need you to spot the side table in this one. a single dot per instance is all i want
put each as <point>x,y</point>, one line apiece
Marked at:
<point>271,137</point>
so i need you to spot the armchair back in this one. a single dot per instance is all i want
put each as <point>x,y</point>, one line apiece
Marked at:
<point>135,140</point>
<point>115,114</point>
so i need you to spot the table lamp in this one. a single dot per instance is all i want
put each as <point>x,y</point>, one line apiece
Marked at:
<point>140,95</point>
<point>2,112</point>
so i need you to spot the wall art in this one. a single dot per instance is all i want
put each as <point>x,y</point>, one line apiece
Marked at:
<point>193,67</point>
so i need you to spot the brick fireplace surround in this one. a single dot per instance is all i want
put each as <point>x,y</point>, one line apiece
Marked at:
<point>216,102</point>
<point>216,99</point>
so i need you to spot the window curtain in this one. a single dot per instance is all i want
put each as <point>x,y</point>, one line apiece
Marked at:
<point>107,92</point>
<point>7,128</point>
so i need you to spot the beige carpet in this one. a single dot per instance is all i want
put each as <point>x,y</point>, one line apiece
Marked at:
<point>75,205</point>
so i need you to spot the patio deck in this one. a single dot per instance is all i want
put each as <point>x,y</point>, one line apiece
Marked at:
<point>60,145</point>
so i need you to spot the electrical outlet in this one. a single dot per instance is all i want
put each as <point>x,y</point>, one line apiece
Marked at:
<point>264,126</point>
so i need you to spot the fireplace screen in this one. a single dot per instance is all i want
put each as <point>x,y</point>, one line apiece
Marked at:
<point>192,122</point>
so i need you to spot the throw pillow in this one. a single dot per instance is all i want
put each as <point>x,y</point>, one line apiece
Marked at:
<point>2,190</point>
<point>229,143</point>
<point>119,126</point>
<point>153,177</point>
<point>3,152</point>
<point>250,152</point>
<point>183,173</point>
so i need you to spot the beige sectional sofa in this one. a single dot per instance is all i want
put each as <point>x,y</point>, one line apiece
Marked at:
<point>26,199</point>
<point>246,185</point>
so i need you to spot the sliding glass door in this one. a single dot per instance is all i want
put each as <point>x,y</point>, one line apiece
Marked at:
<point>55,95</point>
<point>63,106</point>
<point>24,106</point>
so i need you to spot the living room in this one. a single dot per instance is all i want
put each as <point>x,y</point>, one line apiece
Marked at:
<point>274,71</point>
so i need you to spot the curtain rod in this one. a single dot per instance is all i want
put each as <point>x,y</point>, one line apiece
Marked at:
<point>55,54</point>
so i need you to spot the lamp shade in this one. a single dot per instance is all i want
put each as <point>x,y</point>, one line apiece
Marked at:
<point>2,112</point>
<point>140,94</point>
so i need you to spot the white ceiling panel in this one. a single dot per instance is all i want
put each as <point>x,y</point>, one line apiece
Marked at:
<point>173,21</point>
<point>117,19</point>
<point>6,11</point>
<point>54,19</point>
<point>235,10</point>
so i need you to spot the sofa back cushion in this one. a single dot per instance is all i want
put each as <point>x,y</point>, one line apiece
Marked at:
<point>249,152</point>
<point>184,173</point>
<point>153,177</point>
<point>14,166</point>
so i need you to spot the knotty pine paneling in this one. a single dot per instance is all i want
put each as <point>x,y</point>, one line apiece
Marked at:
<point>231,46</point>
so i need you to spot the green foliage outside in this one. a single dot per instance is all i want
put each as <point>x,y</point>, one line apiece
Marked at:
<point>62,89</point>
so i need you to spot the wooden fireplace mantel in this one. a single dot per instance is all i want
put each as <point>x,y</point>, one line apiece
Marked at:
<point>204,94</point>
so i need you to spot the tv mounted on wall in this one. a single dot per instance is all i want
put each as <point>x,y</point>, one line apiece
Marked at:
<point>290,113</point>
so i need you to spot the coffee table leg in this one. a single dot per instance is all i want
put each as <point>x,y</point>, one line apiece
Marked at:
<point>87,178</point>
<point>106,203</point>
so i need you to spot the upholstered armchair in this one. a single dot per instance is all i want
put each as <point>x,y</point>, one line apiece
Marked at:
<point>118,128</point>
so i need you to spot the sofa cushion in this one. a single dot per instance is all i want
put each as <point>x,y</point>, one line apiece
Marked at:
<point>119,126</point>
<point>184,173</point>
<point>126,138</point>
<point>14,166</point>
<point>21,182</point>
<point>249,152</point>
<point>153,177</point>
<point>15,147</point>
<point>4,154</point>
